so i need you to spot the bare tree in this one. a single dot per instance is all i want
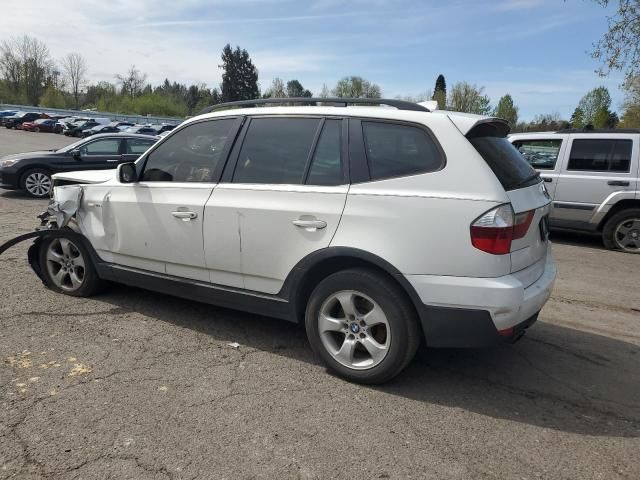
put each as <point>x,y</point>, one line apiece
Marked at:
<point>25,64</point>
<point>132,82</point>
<point>75,71</point>
<point>465,97</point>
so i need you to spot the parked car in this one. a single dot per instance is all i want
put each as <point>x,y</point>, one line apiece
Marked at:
<point>592,177</point>
<point>142,130</point>
<point>32,171</point>
<point>100,129</point>
<point>4,114</point>
<point>19,118</point>
<point>376,227</point>
<point>42,125</point>
<point>163,128</point>
<point>77,129</point>
<point>121,125</point>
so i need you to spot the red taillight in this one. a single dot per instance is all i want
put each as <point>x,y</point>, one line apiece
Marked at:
<point>494,231</point>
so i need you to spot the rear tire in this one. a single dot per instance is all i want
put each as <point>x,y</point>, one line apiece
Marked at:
<point>67,268</point>
<point>36,129</point>
<point>622,231</point>
<point>362,326</point>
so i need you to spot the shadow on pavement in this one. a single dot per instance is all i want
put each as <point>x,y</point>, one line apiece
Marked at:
<point>556,378</point>
<point>577,239</point>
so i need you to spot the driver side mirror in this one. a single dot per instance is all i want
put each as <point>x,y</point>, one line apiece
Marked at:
<point>76,154</point>
<point>127,173</point>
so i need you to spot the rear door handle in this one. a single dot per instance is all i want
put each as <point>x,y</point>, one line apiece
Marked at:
<point>310,224</point>
<point>618,183</point>
<point>185,216</point>
<point>547,179</point>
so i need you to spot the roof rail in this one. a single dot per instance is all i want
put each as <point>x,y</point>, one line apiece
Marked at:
<point>337,102</point>
<point>599,130</point>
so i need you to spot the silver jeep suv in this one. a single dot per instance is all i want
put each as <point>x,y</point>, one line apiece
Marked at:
<point>592,176</point>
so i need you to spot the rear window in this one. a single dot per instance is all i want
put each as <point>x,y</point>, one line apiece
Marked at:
<point>507,163</point>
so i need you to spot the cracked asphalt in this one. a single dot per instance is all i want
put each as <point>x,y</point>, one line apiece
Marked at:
<point>136,385</point>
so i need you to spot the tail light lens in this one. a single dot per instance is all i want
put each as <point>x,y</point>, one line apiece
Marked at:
<point>494,231</point>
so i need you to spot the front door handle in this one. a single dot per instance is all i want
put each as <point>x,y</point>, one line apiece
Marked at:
<point>547,179</point>
<point>185,216</point>
<point>310,224</point>
<point>618,183</point>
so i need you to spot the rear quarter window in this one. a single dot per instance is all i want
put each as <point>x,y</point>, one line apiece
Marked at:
<point>396,150</point>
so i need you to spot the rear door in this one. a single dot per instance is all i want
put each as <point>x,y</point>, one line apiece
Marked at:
<point>596,165</point>
<point>134,147</point>
<point>527,193</point>
<point>281,198</point>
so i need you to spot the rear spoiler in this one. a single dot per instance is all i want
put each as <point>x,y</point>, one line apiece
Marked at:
<point>489,127</point>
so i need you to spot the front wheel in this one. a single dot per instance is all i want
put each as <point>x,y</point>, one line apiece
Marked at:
<point>37,183</point>
<point>67,267</point>
<point>622,231</point>
<point>362,326</point>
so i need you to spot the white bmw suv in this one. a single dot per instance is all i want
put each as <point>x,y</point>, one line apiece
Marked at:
<point>377,227</point>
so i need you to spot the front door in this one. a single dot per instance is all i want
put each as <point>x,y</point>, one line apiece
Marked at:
<point>282,199</point>
<point>103,153</point>
<point>158,221</point>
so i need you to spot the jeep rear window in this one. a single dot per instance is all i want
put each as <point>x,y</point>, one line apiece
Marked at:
<point>507,163</point>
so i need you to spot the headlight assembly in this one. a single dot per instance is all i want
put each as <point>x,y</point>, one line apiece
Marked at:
<point>8,163</point>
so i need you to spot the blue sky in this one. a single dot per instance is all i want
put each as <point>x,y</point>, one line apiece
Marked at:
<point>536,50</point>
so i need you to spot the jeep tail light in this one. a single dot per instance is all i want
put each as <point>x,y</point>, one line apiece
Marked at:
<point>493,231</point>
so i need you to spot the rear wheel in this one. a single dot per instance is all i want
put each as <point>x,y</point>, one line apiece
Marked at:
<point>67,268</point>
<point>36,129</point>
<point>622,231</point>
<point>362,326</point>
<point>37,182</point>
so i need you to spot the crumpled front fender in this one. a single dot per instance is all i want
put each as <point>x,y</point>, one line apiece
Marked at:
<point>65,204</point>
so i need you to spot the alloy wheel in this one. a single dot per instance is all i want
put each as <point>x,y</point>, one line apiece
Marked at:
<point>65,264</point>
<point>627,235</point>
<point>38,184</point>
<point>354,330</point>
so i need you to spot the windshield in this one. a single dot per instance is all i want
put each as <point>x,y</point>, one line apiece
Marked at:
<point>68,148</point>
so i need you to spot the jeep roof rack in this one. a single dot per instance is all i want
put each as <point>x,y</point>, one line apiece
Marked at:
<point>337,102</point>
<point>599,130</point>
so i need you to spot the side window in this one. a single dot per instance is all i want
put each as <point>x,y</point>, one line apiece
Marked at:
<point>326,167</point>
<point>138,146</point>
<point>394,150</point>
<point>109,146</point>
<point>600,155</point>
<point>191,155</point>
<point>541,154</point>
<point>275,150</point>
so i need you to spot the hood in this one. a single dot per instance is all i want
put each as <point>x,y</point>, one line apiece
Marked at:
<point>40,153</point>
<point>86,176</point>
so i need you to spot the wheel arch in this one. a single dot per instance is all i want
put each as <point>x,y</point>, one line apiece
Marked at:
<point>618,207</point>
<point>318,265</point>
<point>24,169</point>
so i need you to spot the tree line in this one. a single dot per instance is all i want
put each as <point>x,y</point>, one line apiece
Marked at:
<point>29,75</point>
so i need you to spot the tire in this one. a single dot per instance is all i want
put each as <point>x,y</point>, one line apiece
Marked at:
<point>36,129</point>
<point>622,231</point>
<point>67,268</point>
<point>360,350</point>
<point>36,182</point>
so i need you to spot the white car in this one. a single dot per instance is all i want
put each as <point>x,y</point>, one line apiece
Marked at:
<point>376,227</point>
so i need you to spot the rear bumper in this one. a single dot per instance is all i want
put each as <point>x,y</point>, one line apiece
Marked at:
<point>475,312</point>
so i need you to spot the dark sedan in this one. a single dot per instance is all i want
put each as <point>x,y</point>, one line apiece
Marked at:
<point>32,171</point>
<point>19,118</point>
<point>76,129</point>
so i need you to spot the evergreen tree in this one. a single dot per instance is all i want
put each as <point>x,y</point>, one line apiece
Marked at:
<point>577,118</point>
<point>296,90</point>
<point>507,110</point>
<point>239,77</point>
<point>440,92</point>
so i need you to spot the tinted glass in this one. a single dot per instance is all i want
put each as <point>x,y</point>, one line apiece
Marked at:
<point>275,150</point>
<point>326,168</point>
<point>395,150</point>
<point>541,154</point>
<point>600,155</point>
<point>108,146</point>
<point>138,146</point>
<point>506,162</point>
<point>191,155</point>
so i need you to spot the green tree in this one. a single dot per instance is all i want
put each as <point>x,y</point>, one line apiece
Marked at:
<point>356,87</point>
<point>507,110</point>
<point>296,90</point>
<point>577,118</point>
<point>619,47</point>
<point>595,107</point>
<point>239,77</point>
<point>52,98</point>
<point>468,98</point>
<point>631,107</point>
<point>440,92</point>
